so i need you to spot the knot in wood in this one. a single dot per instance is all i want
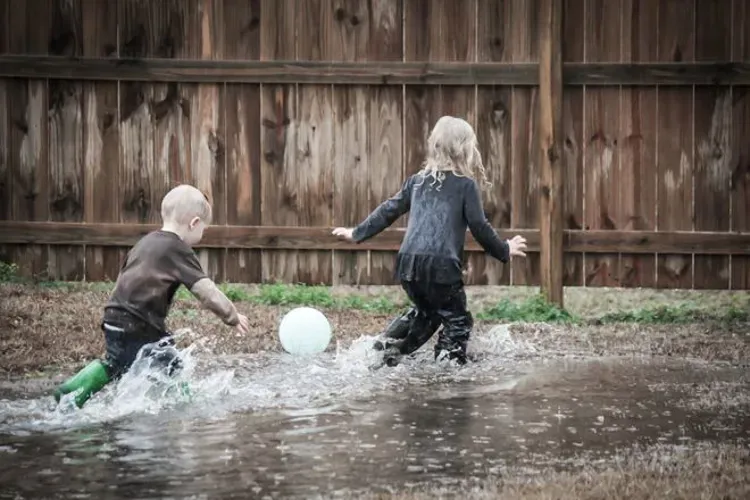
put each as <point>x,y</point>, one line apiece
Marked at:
<point>552,154</point>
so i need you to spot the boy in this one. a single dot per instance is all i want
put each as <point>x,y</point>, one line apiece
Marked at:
<point>154,269</point>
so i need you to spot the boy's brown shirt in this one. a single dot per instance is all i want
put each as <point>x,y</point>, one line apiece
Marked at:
<point>153,271</point>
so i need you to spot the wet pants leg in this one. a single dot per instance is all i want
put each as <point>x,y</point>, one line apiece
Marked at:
<point>123,349</point>
<point>438,304</point>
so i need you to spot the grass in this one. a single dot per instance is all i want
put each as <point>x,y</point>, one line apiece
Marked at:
<point>528,309</point>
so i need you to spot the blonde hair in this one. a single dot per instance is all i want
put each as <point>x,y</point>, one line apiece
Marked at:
<point>184,202</point>
<point>452,146</point>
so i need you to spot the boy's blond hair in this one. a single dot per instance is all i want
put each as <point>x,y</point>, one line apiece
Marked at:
<point>452,146</point>
<point>184,202</point>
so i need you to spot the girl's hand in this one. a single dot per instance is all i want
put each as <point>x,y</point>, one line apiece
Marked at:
<point>344,232</point>
<point>517,246</point>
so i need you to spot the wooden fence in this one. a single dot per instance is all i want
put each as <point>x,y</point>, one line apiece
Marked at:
<point>299,115</point>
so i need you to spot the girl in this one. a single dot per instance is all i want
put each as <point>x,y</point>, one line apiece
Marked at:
<point>443,199</point>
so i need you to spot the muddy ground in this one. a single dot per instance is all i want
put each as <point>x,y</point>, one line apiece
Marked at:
<point>710,472</point>
<point>46,328</point>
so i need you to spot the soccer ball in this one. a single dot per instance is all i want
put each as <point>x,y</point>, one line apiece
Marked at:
<point>304,331</point>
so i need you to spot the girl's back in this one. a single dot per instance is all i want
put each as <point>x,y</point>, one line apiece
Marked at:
<point>440,211</point>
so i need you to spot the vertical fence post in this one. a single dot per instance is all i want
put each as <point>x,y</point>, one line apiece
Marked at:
<point>551,158</point>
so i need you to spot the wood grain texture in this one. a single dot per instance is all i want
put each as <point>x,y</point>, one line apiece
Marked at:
<point>27,139</point>
<point>66,154</point>
<point>601,148</point>
<point>525,178</point>
<point>241,28</point>
<point>637,140</point>
<point>243,160</point>
<point>351,164</point>
<point>101,134</point>
<point>350,41</point>
<point>493,30</point>
<point>494,136</point>
<point>740,195</point>
<point>385,130</point>
<point>319,238</point>
<point>712,142</point>
<point>314,175</point>
<point>279,185</point>
<point>160,70</point>
<point>385,169</point>
<point>242,41</point>
<point>522,47</point>
<point>675,42</point>
<point>573,45</point>
<point>551,156</point>
<point>315,140</point>
<point>143,32</point>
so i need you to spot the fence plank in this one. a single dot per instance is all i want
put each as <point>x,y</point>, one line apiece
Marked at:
<point>101,131</point>
<point>637,140</point>
<point>385,173</point>
<point>551,160</point>
<point>28,166</point>
<point>158,69</point>
<point>205,35</point>
<point>385,125</point>
<point>320,238</point>
<point>712,148</point>
<point>350,176</point>
<point>314,165</point>
<point>242,41</point>
<point>314,175</point>
<point>279,185</point>
<point>573,44</point>
<point>493,133</point>
<point>143,32</point>
<point>740,196</point>
<point>350,41</point>
<point>524,112</point>
<point>676,42</point>
<point>5,181</point>
<point>603,181</point>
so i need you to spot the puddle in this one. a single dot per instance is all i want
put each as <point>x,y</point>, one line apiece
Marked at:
<point>272,426</point>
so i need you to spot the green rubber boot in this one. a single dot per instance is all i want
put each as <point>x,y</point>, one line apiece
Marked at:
<point>89,380</point>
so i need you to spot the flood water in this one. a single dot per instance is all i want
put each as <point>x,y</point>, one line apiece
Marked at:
<point>272,426</point>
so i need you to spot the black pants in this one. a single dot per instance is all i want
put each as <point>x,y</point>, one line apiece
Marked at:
<point>123,348</point>
<point>434,305</point>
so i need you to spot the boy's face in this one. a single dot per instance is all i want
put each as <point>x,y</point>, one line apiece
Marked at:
<point>195,231</point>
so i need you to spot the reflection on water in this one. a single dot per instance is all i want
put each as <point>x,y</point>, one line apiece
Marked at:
<point>272,426</point>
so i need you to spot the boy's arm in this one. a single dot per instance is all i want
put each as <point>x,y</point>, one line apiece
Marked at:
<point>480,227</point>
<point>386,214</point>
<point>213,299</point>
<point>190,273</point>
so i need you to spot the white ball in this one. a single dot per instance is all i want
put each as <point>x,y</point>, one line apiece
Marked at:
<point>304,331</point>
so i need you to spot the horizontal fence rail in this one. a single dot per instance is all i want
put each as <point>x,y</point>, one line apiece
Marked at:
<point>320,238</point>
<point>372,73</point>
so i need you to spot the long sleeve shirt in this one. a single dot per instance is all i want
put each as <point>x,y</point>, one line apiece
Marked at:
<point>433,246</point>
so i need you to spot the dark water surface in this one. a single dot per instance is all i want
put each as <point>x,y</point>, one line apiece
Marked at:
<point>276,427</point>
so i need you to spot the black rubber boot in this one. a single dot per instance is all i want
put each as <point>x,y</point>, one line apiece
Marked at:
<point>398,329</point>
<point>454,338</point>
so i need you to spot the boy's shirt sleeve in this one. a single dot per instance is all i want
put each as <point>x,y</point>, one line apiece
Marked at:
<point>386,214</point>
<point>187,267</point>
<point>480,227</point>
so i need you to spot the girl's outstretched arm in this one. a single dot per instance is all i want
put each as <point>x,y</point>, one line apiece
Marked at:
<point>386,214</point>
<point>480,227</point>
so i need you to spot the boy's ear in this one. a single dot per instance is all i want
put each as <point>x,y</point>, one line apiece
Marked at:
<point>194,222</point>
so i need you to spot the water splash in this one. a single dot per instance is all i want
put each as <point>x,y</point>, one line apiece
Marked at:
<point>219,385</point>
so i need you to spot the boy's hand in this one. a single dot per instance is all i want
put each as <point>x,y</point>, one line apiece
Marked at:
<point>517,246</point>
<point>346,233</point>
<point>243,325</point>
